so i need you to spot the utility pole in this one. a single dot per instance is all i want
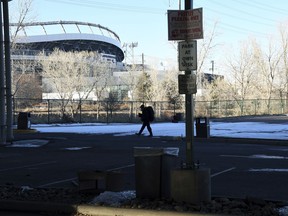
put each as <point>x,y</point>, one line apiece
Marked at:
<point>212,66</point>
<point>189,114</point>
<point>2,86</point>
<point>9,102</point>
<point>6,117</point>
<point>143,65</point>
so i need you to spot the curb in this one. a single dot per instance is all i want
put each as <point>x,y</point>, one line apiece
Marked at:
<point>23,131</point>
<point>110,211</point>
<point>31,206</point>
<point>242,140</point>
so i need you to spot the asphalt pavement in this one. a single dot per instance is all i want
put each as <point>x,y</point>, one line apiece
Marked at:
<point>239,167</point>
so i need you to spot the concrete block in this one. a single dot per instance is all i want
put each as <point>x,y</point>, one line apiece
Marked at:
<point>191,186</point>
<point>99,181</point>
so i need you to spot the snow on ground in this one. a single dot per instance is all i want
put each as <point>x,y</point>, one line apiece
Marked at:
<point>217,129</point>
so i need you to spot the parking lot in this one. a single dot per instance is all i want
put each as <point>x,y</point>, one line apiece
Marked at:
<point>239,167</point>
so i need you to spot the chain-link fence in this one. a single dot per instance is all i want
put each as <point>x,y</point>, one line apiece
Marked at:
<point>88,111</point>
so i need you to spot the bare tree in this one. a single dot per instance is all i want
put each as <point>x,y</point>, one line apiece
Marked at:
<point>268,66</point>
<point>145,87</point>
<point>25,80</point>
<point>169,87</point>
<point>75,76</point>
<point>22,13</point>
<point>242,71</point>
<point>283,89</point>
<point>204,50</point>
<point>129,80</point>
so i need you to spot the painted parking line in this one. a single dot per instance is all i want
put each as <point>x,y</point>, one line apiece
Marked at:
<point>75,178</point>
<point>28,166</point>
<point>268,170</point>
<point>119,168</point>
<point>224,171</point>
<point>258,156</point>
<point>123,167</point>
<point>57,182</point>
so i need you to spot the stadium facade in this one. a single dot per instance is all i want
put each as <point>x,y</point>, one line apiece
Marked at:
<point>33,38</point>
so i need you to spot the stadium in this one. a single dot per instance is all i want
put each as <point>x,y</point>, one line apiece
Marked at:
<point>35,37</point>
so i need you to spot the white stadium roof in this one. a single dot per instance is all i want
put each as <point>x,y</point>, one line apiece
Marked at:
<point>68,36</point>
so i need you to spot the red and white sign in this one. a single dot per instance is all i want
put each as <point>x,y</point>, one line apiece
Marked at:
<point>185,24</point>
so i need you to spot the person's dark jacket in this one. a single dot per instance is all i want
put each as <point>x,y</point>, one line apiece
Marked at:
<point>144,115</point>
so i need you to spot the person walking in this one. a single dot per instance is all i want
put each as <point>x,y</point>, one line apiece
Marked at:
<point>146,116</point>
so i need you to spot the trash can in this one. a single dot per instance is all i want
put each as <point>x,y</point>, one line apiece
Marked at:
<point>23,121</point>
<point>202,127</point>
<point>152,171</point>
<point>177,117</point>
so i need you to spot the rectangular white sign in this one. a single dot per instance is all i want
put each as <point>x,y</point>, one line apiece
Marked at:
<point>185,24</point>
<point>187,55</point>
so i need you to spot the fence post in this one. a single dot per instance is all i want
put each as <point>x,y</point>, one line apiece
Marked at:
<point>14,110</point>
<point>155,109</point>
<point>255,107</point>
<point>226,107</point>
<point>131,111</point>
<point>80,110</point>
<point>48,114</point>
<point>107,112</point>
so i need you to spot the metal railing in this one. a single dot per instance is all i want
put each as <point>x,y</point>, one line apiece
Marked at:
<point>62,111</point>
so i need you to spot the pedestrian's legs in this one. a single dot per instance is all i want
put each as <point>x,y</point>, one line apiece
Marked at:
<point>142,128</point>
<point>149,129</point>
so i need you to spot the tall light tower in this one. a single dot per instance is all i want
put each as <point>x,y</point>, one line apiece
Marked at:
<point>129,51</point>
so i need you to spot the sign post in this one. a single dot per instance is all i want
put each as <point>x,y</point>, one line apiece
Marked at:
<point>191,184</point>
<point>187,25</point>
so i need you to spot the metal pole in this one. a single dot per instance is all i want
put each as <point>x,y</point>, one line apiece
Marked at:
<point>189,114</point>
<point>8,72</point>
<point>2,85</point>
<point>188,4</point>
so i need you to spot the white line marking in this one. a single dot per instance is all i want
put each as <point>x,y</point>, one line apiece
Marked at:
<point>268,170</point>
<point>224,171</point>
<point>123,167</point>
<point>238,156</point>
<point>258,156</point>
<point>27,166</point>
<point>57,182</point>
<point>73,179</point>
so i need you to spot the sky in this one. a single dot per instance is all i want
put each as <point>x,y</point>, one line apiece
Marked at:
<point>146,22</point>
